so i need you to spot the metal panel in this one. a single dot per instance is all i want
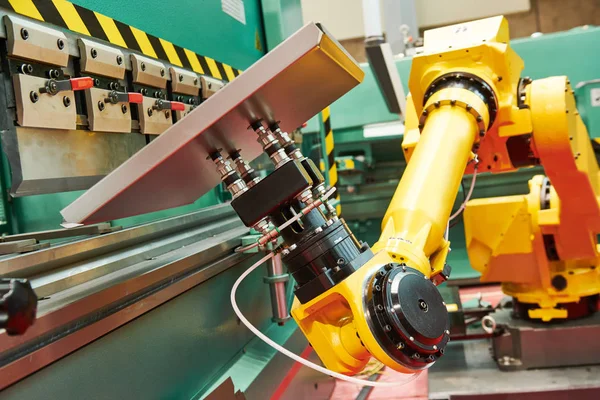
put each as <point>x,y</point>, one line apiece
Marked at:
<point>200,26</point>
<point>37,42</point>
<point>290,84</point>
<point>97,58</point>
<point>68,158</point>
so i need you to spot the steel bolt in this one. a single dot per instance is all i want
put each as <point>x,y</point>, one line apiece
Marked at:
<point>387,328</point>
<point>293,247</point>
<point>101,106</point>
<point>162,72</point>
<point>412,339</point>
<point>60,43</point>
<point>319,230</point>
<point>66,101</point>
<point>119,60</point>
<point>94,53</point>
<point>150,112</point>
<point>124,108</point>
<point>400,346</point>
<point>34,97</point>
<point>285,252</point>
<point>53,73</point>
<point>143,66</point>
<point>24,34</point>
<point>96,82</point>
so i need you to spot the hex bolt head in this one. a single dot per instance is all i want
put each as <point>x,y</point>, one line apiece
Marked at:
<point>180,77</point>
<point>124,108</point>
<point>66,101</point>
<point>94,53</point>
<point>33,96</point>
<point>24,33</point>
<point>60,44</point>
<point>101,105</point>
<point>119,60</point>
<point>150,112</point>
<point>143,66</point>
<point>162,72</point>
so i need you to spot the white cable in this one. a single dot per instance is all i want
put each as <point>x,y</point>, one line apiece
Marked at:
<point>464,203</point>
<point>295,357</point>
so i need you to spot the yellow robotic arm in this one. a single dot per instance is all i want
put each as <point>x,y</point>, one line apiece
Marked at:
<point>463,88</point>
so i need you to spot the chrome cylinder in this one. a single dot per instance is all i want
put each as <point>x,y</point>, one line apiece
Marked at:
<point>271,146</point>
<point>278,280</point>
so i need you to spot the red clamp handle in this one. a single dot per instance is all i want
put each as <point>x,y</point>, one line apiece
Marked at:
<point>81,83</point>
<point>177,106</point>
<point>136,98</point>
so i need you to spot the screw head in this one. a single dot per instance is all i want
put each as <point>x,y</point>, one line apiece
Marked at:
<point>179,98</point>
<point>150,112</point>
<point>167,114</point>
<point>143,66</point>
<point>66,101</point>
<point>119,60</point>
<point>54,73</point>
<point>94,53</point>
<point>60,44</point>
<point>101,105</point>
<point>162,72</point>
<point>180,77</point>
<point>33,96</point>
<point>24,33</point>
<point>144,91</point>
<point>124,108</point>
<point>96,82</point>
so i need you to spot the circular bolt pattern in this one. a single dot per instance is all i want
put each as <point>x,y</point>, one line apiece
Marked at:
<point>124,108</point>
<point>66,101</point>
<point>101,106</point>
<point>33,96</point>
<point>60,43</point>
<point>143,66</point>
<point>119,60</point>
<point>94,53</point>
<point>24,34</point>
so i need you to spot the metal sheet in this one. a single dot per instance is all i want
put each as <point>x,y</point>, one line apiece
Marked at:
<point>65,159</point>
<point>290,84</point>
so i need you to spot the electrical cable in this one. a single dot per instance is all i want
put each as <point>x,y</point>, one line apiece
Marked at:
<point>464,191</point>
<point>466,200</point>
<point>295,218</point>
<point>295,357</point>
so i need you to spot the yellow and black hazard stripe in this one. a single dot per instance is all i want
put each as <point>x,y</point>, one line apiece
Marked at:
<point>87,22</point>
<point>329,147</point>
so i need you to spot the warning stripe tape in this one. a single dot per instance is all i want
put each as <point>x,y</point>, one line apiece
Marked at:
<point>78,19</point>
<point>329,147</point>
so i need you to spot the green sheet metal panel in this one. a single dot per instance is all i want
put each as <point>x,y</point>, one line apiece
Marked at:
<point>175,351</point>
<point>281,19</point>
<point>198,25</point>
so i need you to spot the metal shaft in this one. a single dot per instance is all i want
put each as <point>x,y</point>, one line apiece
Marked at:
<point>277,282</point>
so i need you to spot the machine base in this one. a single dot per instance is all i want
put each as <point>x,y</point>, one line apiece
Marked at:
<point>522,344</point>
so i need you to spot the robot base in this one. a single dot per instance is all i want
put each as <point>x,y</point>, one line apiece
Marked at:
<point>524,344</point>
